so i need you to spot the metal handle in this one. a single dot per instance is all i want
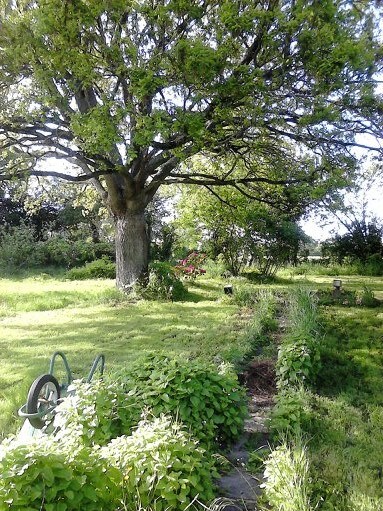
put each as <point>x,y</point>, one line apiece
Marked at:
<point>65,362</point>
<point>98,361</point>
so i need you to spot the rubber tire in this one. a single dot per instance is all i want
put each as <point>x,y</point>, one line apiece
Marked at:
<point>34,394</point>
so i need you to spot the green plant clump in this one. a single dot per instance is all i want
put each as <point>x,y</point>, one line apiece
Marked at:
<point>291,414</point>
<point>299,354</point>
<point>45,475</point>
<point>298,361</point>
<point>210,402</point>
<point>102,268</point>
<point>162,466</point>
<point>287,481</point>
<point>162,283</point>
<point>89,413</point>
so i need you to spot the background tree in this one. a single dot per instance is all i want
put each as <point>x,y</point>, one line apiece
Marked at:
<point>125,91</point>
<point>240,230</point>
<point>361,241</point>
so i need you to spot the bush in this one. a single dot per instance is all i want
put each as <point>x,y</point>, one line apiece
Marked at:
<point>298,361</point>
<point>211,403</point>
<point>19,249</point>
<point>89,413</point>
<point>291,413</point>
<point>45,475</point>
<point>162,466</point>
<point>163,283</point>
<point>102,268</point>
<point>65,252</point>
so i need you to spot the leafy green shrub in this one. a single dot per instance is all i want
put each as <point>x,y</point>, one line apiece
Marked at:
<point>287,481</point>
<point>163,283</point>
<point>89,413</point>
<point>291,413</point>
<point>162,466</point>
<point>298,361</point>
<point>102,268</point>
<point>19,249</point>
<point>59,250</point>
<point>211,403</point>
<point>45,475</point>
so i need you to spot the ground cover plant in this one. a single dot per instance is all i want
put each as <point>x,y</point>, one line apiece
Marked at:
<point>335,419</point>
<point>205,398</point>
<point>160,466</point>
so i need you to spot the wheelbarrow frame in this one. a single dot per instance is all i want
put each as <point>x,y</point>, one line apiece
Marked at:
<point>45,392</point>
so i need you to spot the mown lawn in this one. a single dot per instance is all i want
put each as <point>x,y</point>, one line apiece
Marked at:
<point>41,315</point>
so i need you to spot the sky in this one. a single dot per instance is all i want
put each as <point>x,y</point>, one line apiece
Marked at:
<point>320,231</point>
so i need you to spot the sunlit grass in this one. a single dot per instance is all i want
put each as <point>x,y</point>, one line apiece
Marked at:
<point>82,319</point>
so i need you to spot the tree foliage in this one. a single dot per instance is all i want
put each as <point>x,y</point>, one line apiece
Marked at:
<point>125,91</point>
<point>361,241</point>
<point>240,230</point>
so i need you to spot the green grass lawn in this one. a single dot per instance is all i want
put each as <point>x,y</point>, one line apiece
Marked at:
<point>41,315</point>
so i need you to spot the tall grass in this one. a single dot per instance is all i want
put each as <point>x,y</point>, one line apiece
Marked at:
<point>287,478</point>
<point>303,311</point>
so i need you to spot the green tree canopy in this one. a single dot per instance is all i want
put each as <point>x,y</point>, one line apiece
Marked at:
<point>239,228</point>
<point>127,90</point>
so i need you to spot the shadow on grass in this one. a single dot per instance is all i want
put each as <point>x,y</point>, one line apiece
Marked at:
<point>352,357</point>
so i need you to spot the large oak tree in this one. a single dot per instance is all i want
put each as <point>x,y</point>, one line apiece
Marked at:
<point>127,90</point>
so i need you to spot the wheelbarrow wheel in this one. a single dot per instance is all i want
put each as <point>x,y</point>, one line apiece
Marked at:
<point>43,394</point>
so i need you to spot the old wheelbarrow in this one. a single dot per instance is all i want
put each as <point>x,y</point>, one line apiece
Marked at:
<point>46,392</point>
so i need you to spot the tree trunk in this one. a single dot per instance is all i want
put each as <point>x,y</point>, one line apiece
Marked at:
<point>132,248</point>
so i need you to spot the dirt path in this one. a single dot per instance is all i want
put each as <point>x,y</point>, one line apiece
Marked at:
<point>240,488</point>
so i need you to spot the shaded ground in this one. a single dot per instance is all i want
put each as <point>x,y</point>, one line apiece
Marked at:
<point>240,488</point>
